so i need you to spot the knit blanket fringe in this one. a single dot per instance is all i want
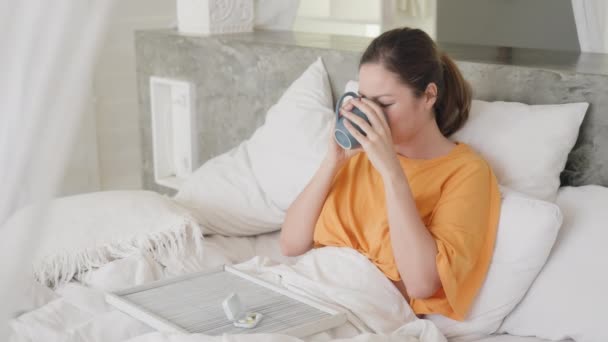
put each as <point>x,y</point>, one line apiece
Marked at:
<point>182,240</point>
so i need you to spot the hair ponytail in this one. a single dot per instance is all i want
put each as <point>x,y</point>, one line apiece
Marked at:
<point>453,105</point>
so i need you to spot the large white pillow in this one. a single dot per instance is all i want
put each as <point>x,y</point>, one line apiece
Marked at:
<point>568,299</point>
<point>526,145</point>
<point>526,232</point>
<point>80,232</point>
<point>247,190</point>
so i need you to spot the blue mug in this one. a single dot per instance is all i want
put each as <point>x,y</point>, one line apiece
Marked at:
<point>341,133</point>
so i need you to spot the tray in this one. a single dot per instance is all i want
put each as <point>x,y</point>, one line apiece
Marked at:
<point>193,304</point>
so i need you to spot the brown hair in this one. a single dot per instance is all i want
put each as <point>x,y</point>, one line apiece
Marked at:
<point>414,57</point>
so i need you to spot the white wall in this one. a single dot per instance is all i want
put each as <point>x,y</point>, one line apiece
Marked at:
<point>115,89</point>
<point>365,17</point>
<point>348,17</point>
<point>420,14</point>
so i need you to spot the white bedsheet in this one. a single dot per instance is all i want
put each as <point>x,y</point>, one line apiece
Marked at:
<point>511,338</point>
<point>81,314</point>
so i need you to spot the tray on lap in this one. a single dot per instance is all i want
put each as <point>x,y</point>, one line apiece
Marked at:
<point>193,304</point>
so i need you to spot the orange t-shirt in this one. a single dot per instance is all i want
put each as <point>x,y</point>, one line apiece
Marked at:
<point>458,200</point>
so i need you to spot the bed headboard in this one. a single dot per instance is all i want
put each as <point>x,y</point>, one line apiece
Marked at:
<point>237,77</point>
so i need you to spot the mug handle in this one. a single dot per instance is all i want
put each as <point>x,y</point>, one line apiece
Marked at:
<point>339,103</point>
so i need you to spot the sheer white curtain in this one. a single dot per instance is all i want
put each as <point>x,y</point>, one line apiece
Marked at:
<point>47,54</point>
<point>591,17</point>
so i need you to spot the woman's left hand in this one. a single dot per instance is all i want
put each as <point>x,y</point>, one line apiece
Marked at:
<point>378,141</point>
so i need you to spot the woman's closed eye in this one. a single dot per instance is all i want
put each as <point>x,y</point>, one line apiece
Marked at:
<point>381,104</point>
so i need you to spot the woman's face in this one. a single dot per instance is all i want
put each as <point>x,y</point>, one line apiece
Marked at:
<point>406,113</point>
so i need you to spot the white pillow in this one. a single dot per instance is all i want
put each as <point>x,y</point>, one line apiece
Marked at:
<point>526,232</point>
<point>526,145</point>
<point>84,231</point>
<point>247,190</point>
<point>568,299</point>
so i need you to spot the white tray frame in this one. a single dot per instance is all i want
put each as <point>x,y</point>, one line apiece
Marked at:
<point>336,318</point>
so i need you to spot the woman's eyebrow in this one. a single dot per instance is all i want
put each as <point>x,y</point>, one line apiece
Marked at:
<point>375,97</point>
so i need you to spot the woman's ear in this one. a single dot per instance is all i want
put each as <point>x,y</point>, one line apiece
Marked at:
<point>430,95</point>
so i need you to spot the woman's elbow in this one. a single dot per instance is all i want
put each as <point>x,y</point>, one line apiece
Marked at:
<point>288,249</point>
<point>421,292</point>
<point>424,290</point>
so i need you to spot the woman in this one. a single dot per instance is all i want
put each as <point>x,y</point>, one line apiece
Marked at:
<point>422,208</point>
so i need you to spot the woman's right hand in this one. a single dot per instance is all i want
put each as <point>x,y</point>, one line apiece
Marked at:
<point>335,153</point>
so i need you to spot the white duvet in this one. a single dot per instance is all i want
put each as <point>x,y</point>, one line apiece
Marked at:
<point>335,276</point>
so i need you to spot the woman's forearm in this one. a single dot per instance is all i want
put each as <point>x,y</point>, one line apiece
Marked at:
<point>413,246</point>
<point>298,228</point>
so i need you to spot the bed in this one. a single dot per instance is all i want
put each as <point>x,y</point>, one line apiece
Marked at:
<point>78,312</point>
